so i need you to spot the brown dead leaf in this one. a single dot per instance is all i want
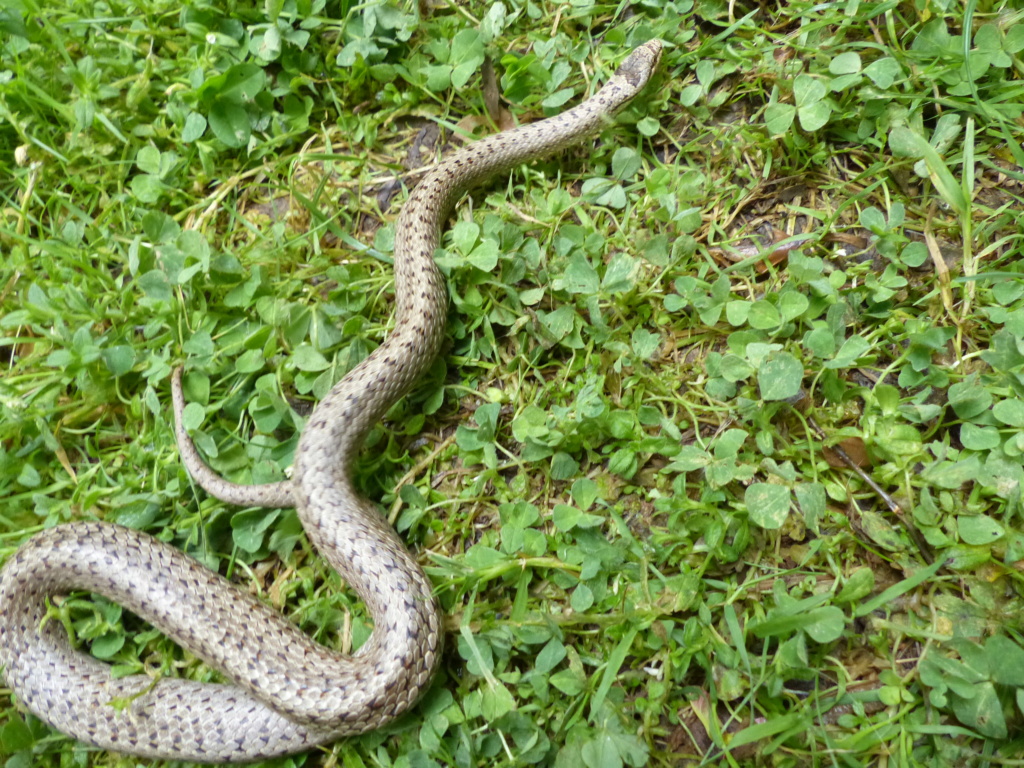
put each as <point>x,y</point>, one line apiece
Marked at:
<point>854,449</point>
<point>492,93</point>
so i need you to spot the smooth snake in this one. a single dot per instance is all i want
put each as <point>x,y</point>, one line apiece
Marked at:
<point>288,693</point>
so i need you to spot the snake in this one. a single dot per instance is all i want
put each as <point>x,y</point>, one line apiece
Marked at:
<point>282,692</point>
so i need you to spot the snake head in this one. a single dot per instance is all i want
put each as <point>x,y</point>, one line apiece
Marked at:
<point>640,64</point>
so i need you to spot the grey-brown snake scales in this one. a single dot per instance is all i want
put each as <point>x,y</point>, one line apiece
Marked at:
<point>287,693</point>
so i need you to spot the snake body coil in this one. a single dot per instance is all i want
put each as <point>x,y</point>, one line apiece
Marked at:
<point>287,693</point>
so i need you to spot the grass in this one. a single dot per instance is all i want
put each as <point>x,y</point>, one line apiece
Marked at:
<point>721,464</point>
